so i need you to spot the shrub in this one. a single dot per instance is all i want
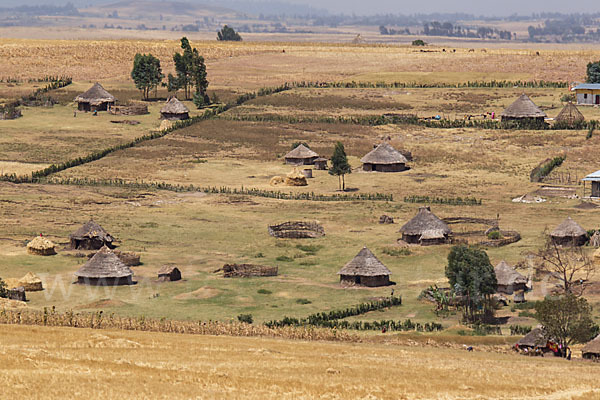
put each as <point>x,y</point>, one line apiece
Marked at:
<point>418,42</point>
<point>284,259</point>
<point>263,291</point>
<point>303,301</point>
<point>309,249</point>
<point>494,235</point>
<point>390,251</point>
<point>3,289</point>
<point>245,318</point>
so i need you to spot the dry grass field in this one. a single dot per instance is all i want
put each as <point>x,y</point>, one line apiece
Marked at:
<point>55,363</point>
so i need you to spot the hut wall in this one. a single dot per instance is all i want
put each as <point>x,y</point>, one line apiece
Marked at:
<point>83,106</point>
<point>369,281</point>
<point>384,167</point>
<point>512,288</point>
<point>321,165</point>
<point>89,244</point>
<point>412,239</point>
<point>526,119</point>
<point>127,280</point>
<point>570,241</point>
<point>433,242</point>
<point>174,117</point>
<point>300,161</point>
<point>595,189</point>
<point>588,96</point>
<point>17,294</point>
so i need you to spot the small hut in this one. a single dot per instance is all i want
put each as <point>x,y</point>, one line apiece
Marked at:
<point>592,349</point>
<point>169,273</point>
<point>17,293</point>
<point>535,338</point>
<point>366,270</point>
<point>40,246</point>
<point>595,179</point>
<point>569,115</point>
<point>104,269</point>
<point>523,110</point>
<point>90,236</point>
<point>569,233</point>
<point>321,164</point>
<point>425,229</point>
<point>174,110</point>
<point>509,280</point>
<point>301,155</point>
<point>95,99</point>
<point>384,158</point>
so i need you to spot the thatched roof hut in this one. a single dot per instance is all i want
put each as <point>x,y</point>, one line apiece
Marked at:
<point>384,158</point>
<point>535,338</point>
<point>169,273</point>
<point>301,155</point>
<point>509,280</point>
<point>569,233</point>
<point>95,99</point>
<point>91,236</point>
<point>569,115</point>
<point>523,109</point>
<point>365,269</point>
<point>105,269</point>
<point>321,163</point>
<point>425,228</point>
<point>174,110</point>
<point>592,349</point>
<point>40,246</point>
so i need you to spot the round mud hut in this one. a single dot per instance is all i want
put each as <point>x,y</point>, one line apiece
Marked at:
<point>301,155</point>
<point>535,338</point>
<point>569,115</point>
<point>523,110</point>
<point>40,246</point>
<point>321,164</point>
<point>591,350</point>
<point>569,233</point>
<point>91,236</point>
<point>169,273</point>
<point>174,110</point>
<point>509,280</point>
<point>365,270</point>
<point>95,99</point>
<point>384,158</point>
<point>425,229</point>
<point>104,269</point>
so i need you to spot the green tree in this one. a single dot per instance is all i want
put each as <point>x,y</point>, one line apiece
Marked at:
<point>228,34</point>
<point>190,69</point>
<point>339,165</point>
<point>472,276</point>
<point>146,73</point>
<point>566,319</point>
<point>418,42</point>
<point>593,72</point>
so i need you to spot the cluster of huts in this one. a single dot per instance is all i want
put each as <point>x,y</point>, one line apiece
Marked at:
<point>97,99</point>
<point>525,110</point>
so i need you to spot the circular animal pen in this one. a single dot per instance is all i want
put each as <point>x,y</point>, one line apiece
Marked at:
<point>480,231</point>
<point>297,230</point>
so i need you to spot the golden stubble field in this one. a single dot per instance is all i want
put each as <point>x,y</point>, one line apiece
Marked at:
<point>53,363</point>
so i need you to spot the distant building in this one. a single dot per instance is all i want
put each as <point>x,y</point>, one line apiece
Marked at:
<point>523,109</point>
<point>174,110</point>
<point>587,93</point>
<point>95,99</point>
<point>384,158</point>
<point>365,270</point>
<point>301,155</point>
<point>595,179</point>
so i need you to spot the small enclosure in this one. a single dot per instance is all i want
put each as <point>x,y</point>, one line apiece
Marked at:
<point>297,230</point>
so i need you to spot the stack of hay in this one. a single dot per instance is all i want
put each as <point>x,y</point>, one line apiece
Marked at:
<point>296,178</point>
<point>40,246</point>
<point>30,282</point>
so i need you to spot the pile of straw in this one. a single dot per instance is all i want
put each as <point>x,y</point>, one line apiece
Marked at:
<point>40,246</point>
<point>31,282</point>
<point>296,178</point>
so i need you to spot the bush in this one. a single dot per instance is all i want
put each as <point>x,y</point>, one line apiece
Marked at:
<point>3,289</point>
<point>245,318</point>
<point>284,259</point>
<point>418,42</point>
<point>494,235</point>
<point>303,301</point>
<point>390,251</point>
<point>263,291</point>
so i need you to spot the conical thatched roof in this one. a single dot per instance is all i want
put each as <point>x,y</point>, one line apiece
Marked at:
<point>592,347</point>
<point>523,108</point>
<point>424,222</point>
<point>31,282</point>
<point>365,264</point>
<point>167,269</point>
<point>104,264</point>
<point>91,230</point>
<point>568,228</point>
<point>534,338</point>
<point>301,151</point>
<point>174,106</point>
<point>506,275</point>
<point>384,154</point>
<point>96,95</point>
<point>570,114</point>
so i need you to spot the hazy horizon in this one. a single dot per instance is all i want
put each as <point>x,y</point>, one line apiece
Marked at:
<point>476,7</point>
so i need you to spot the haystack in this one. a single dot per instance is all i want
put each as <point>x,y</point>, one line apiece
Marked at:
<point>104,269</point>
<point>592,349</point>
<point>165,124</point>
<point>570,115</point>
<point>384,158</point>
<point>296,178</point>
<point>40,246</point>
<point>366,270</point>
<point>31,282</point>
<point>277,181</point>
<point>90,236</point>
<point>425,229</point>
<point>509,280</point>
<point>95,99</point>
<point>301,155</point>
<point>169,273</point>
<point>569,233</point>
<point>523,109</point>
<point>174,110</point>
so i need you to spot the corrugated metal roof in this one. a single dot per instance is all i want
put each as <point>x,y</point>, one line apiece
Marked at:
<point>589,86</point>
<point>593,177</point>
